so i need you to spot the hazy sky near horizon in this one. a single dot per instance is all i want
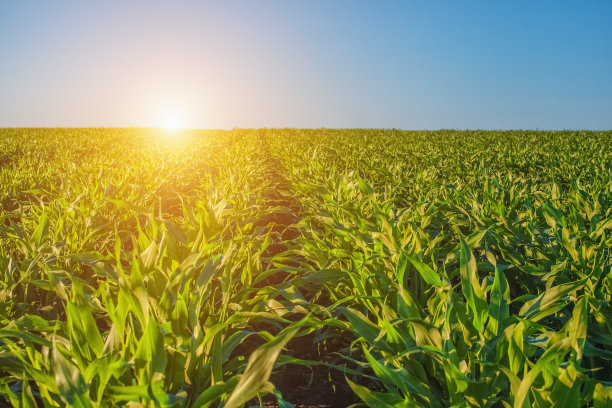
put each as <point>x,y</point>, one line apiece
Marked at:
<point>385,64</point>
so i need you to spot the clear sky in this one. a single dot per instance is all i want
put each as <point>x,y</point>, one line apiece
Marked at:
<point>391,64</point>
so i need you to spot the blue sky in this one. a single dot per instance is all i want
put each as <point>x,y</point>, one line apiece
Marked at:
<point>396,64</point>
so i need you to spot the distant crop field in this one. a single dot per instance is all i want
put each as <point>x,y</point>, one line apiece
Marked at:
<point>313,268</point>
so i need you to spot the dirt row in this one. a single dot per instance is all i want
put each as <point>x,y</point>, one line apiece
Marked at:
<point>305,387</point>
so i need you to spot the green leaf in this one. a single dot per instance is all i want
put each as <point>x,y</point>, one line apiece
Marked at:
<point>149,392</point>
<point>364,187</point>
<point>361,324</point>
<point>375,399</point>
<point>87,258</point>
<point>470,284</point>
<point>41,231</point>
<point>398,377</point>
<point>602,397</point>
<point>550,301</point>
<point>258,370</point>
<point>553,216</point>
<point>70,383</point>
<point>324,276</point>
<point>566,390</point>
<point>83,329</point>
<point>213,393</point>
<point>428,274</point>
<point>499,303</point>
<point>150,356</point>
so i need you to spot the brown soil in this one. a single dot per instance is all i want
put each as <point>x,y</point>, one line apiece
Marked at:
<point>316,386</point>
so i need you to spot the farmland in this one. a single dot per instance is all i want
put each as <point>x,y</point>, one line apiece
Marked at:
<point>292,267</point>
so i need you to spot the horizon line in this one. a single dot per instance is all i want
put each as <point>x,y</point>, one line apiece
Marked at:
<point>309,128</point>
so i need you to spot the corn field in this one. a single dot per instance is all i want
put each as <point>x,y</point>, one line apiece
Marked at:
<point>288,267</point>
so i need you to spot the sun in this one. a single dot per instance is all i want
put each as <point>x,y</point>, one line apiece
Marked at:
<point>172,121</point>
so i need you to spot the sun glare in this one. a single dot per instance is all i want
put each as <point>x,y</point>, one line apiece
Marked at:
<point>171,127</point>
<point>172,121</point>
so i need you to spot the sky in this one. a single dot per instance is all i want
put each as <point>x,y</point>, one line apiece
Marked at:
<point>410,64</point>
